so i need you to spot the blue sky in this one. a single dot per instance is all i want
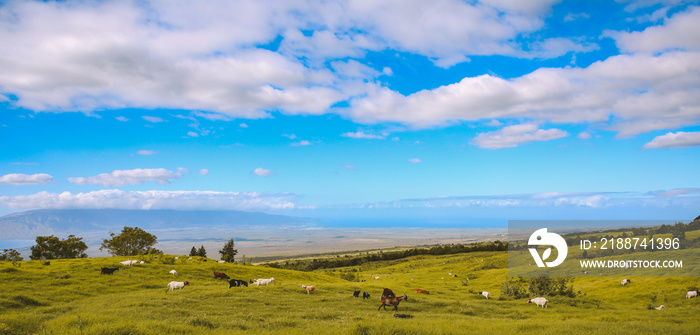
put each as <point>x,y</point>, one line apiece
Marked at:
<point>442,111</point>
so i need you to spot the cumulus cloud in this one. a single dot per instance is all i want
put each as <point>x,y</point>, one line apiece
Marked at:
<point>511,136</point>
<point>681,31</point>
<point>121,118</point>
<point>674,140</point>
<point>125,177</point>
<point>262,172</point>
<point>243,125</point>
<point>362,135</point>
<point>584,135</point>
<point>117,199</point>
<point>26,179</point>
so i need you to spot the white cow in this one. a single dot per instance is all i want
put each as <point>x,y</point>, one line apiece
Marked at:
<point>542,302</point>
<point>691,294</point>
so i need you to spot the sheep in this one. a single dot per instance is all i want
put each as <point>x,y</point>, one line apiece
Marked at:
<point>659,308</point>
<point>365,295</point>
<point>173,272</point>
<point>392,301</point>
<point>259,282</point>
<point>177,285</point>
<point>310,288</point>
<point>356,294</point>
<point>108,271</point>
<point>422,291</point>
<point>237,283</point>
<point>484,293</point>
<point>691,294</point>
<point>542,302</point>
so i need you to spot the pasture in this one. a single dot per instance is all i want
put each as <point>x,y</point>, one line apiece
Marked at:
<point>72,297</point>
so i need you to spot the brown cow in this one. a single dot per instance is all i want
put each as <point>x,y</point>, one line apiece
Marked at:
<point>218,275</point>
<point>392,301</point>
<point>422,291</point>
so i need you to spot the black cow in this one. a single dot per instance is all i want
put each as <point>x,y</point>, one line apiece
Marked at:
<point>108,271</point>
<point>356,294</point>
<point>365,295</point>
<point>237,283</point>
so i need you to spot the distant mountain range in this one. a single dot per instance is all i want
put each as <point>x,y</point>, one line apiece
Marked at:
<point>61,222</point>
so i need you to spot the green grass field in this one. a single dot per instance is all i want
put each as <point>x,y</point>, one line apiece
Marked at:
<point>72,297</point>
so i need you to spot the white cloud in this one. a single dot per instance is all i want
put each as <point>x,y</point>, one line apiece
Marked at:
<point>677,192</point>
<point>301,143</point>
<point>359,134</point>
<point>121,118</point>
<point>203,172</point>
<point>511,136</point>
<point>348,166</point>
<point>415,160</point>
<point>262,172</point>
<point>681,31</point>
<point>584,135</point>
<point>192,134</point>
<point>674,140</point>
<point>290,136</point>
<point>26,179</point>
<point>153,119</point>
<point>212,116</point>
<point>243,125</point>
<point>190,200</point>
<point>125,177</point>
<point>146,152</point>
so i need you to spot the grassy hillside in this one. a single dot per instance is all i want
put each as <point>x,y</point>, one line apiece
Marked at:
<point>71,297</point>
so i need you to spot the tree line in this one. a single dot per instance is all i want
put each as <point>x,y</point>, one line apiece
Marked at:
<point>445,249</point>
<point>130,241</point>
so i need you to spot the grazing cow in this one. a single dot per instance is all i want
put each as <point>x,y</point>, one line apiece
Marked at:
<point>108,271</point>
<point>264,281</point>
<point>177,285</point>
<point>356,294</point>
<point>484,293</point>
<point>542,302</point>
<point>625,282</point>
<point>691,294</point>
<point>659,308</point>
<point>221,275</point>
<point>388,293</point>
<point>365,295</point>
<point>392,301</point>
<point>422,291</point>
<point>237,283</point>
<point>310,288</point>
<point>173,272</point>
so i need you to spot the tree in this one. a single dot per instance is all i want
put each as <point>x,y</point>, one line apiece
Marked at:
<point>228,253</point>
<point>10,255</point>
<point>51,247</point>
<point>131,241</point>
<point>202,252</point>
<point>193,252</point>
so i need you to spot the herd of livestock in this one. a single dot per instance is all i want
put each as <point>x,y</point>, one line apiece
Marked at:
<point>388,298</point>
